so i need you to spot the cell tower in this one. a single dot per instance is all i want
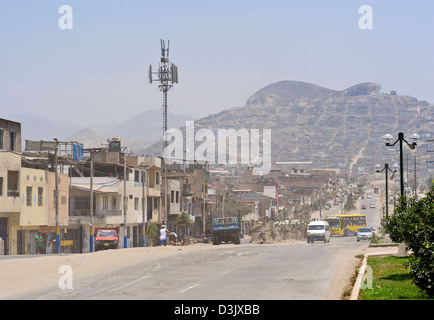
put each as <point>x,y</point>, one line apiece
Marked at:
<point>167,75</point>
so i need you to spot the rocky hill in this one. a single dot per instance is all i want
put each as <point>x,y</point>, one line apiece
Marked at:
<point>333,129</point>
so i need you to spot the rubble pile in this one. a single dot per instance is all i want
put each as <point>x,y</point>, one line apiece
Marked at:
<point>271,233</point>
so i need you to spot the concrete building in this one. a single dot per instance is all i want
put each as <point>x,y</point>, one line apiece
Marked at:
<point>10,160</point>
<point>118,201</point>
<point>10,202</point>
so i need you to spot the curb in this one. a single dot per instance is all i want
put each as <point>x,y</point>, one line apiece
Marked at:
<point>383,245</point>
<point>356,289</point>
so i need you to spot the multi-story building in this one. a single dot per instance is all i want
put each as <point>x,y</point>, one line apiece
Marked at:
<point>126,198</point>
<point>10,200</point>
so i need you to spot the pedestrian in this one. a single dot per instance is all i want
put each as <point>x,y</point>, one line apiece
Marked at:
<point>38,243</point>
<point>163,235</point>
<point>49,247</point>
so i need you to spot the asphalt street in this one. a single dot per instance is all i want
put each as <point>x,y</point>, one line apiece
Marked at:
<point>284,271</point>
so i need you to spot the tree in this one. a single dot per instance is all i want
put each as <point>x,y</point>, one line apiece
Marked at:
<point>153,233</point>
<point>413,224</point>
<point>182,221</point>
<point>350,203</point>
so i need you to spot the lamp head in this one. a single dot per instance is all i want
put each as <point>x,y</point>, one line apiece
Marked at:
<point>387,137</point>
<point>415,137</point>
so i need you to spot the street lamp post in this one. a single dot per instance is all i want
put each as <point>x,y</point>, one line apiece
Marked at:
<point>388,137</point>
<point>386,168</point>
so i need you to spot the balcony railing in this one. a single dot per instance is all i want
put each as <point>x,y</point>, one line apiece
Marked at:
<point>107,212</point>
<point>13,193</point>
<point>97,212</point>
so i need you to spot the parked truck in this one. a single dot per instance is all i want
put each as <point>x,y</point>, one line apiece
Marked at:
<point>225,229</point>
<point>106,238</point>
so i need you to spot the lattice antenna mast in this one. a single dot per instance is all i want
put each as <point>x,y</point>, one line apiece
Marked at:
<point>167,75</point>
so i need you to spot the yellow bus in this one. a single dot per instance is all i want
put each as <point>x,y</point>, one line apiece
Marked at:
<point>345,224</point>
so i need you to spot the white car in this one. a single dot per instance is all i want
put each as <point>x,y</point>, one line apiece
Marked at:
<point>318,231</point>
<point>365,233</point>
<point>372,205</point>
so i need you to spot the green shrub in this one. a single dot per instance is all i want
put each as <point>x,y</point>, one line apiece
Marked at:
<point>413,224</point>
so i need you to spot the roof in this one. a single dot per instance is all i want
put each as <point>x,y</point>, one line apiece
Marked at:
<point>253,195</point>
<point>83,187</point>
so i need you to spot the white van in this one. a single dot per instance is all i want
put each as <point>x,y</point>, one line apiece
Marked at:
<point>318,230</point>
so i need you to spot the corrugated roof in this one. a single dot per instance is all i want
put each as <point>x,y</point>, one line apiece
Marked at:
<point>253,195</point>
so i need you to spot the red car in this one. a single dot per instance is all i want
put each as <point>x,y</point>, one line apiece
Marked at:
<point>106,238</point>
<point>363,206</point>
<point>336,203</point>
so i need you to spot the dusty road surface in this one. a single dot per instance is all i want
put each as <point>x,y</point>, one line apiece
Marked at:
<point>202,271</point>
<point>280,271</point>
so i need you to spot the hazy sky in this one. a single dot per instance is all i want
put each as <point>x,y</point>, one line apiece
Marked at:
<point>225,51</point>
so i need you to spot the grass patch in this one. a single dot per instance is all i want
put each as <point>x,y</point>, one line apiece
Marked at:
<point>391,280</point>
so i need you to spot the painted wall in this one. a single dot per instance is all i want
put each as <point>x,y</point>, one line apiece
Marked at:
<point>34,197</point>
<point>63,187</point>
<point>10,161</point>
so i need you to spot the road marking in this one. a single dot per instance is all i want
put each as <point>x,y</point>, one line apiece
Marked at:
<point>182,291</point>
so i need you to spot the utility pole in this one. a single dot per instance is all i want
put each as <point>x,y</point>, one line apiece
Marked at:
<point>204,202</point>
<point>415,181</point>
<point>144,207</point>
<point>56,197</point>
<point>125,201</point>
<point>91,204</point>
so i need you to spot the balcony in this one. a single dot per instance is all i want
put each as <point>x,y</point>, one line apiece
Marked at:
<point>13,193</point>
<point>108,212</point>
<point>97,212</point>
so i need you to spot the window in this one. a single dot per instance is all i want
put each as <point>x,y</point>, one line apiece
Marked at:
<point>1,185</point>
<point>40,196</point>
<point>82,203</point>
<point>29,196</point>
<point>157,178</point>
<point>2,133</point>
<point>136,203</point>
<point>12,181</point>
<point>172,196</point>
<point>315,227</point>
<point>105,201</point>
<point>155,203</point>
<point>177,196</point>
<point>12,141</point>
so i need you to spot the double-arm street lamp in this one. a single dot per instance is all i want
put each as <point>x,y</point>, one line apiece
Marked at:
<point>386,169</point>
<point>414,137</point>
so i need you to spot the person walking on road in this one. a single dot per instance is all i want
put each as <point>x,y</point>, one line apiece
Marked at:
<point>163,235</point>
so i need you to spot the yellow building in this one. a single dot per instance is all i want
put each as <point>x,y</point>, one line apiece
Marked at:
<point>10,204</point>
<point>38,213</point>
<point>33,214</point>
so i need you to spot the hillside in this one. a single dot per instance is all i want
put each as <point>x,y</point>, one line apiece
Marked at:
<point>328,127</point>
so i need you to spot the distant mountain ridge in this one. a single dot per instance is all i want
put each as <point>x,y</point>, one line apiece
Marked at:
<point>285,92</point>
<point>136,133</point>
<point>330,128</point>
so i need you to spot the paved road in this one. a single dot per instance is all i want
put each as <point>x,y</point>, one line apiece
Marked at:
<point>247,271</point>
<point>278,271</point>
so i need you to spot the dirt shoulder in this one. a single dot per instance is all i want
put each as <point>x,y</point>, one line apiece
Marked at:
<point>23,274</point>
